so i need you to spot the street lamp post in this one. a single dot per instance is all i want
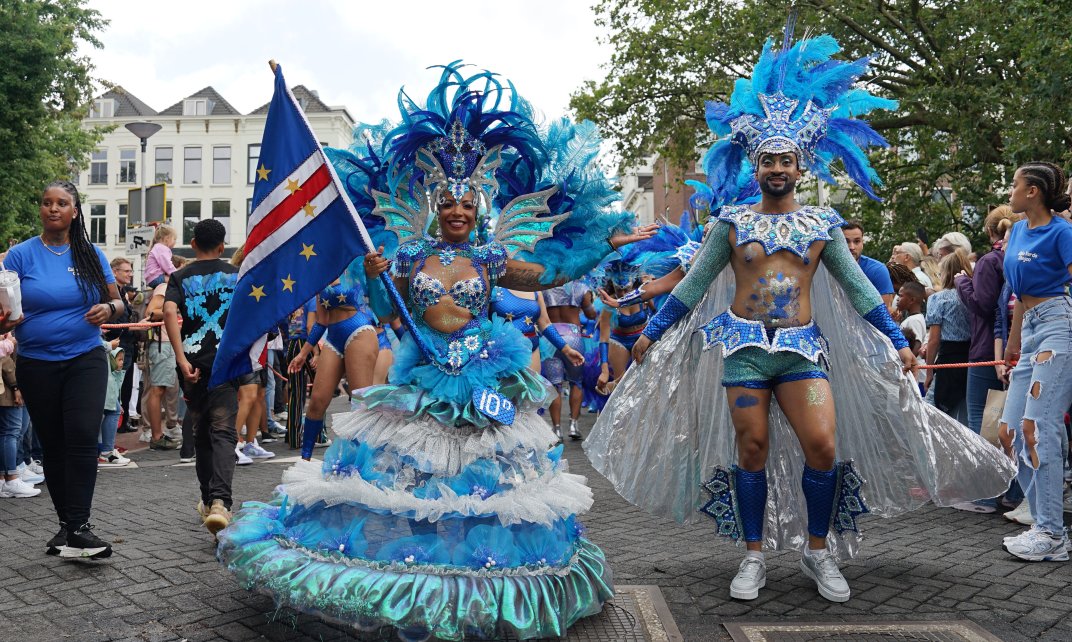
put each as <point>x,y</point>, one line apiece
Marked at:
<point>143,131</point>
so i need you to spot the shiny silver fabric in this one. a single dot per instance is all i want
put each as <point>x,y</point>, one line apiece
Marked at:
<point>667,426</point>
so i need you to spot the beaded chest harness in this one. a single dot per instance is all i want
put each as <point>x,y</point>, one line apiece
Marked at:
<point>795,231</point>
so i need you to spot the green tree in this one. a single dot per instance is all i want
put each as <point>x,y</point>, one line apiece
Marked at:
<point>46,87</point>
<point>982,88</point>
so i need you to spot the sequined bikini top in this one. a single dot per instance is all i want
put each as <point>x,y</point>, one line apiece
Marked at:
<point>471,294</point>
<point>795,231</point>
<point>632,320</point>
<point>338,296</point>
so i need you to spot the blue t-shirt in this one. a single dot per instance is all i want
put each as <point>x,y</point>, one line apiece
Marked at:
<point>878,274</point>
<point>945,309</point>
<point>53,326</point>
<point>1037,260</point>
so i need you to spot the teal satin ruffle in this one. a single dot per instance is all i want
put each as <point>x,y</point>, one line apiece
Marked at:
<point>524,387</point>
<point>448,606</point>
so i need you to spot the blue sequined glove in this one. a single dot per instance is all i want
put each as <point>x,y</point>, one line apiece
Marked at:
<point>671,312</point>
<point>553,337</point>
<point>880,317</point>
<point>604,352</point>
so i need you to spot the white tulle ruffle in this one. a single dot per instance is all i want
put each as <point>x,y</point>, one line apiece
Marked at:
<point>542,499</point>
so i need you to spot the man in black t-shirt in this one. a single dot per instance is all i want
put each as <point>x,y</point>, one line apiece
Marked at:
<point>201,292</point>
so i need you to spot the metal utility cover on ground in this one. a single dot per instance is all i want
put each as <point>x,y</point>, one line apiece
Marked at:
<point>932,630</point>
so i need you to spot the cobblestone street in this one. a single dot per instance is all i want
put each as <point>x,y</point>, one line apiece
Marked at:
<point>163,582</point>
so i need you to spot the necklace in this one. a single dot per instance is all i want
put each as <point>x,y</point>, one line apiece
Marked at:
<point>46,246</point>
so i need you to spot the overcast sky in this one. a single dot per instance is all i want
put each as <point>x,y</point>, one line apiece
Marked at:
<point>355,54</point>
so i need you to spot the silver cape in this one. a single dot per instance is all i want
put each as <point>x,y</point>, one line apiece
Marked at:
<point>667,426</point>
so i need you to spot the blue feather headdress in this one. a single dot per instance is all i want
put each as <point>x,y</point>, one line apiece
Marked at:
<point>799,99</point>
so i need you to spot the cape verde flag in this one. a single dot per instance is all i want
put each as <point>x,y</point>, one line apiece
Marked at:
<point>302,234</point>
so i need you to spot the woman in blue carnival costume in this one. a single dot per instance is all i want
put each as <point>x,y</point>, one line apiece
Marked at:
<point>440,509</point>
<point>791,272</point>
<point>348,328</point>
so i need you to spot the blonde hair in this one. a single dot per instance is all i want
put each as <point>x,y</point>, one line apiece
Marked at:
<point>999,221</point>
<point>162,233</point>
<point>952,265</point>
<point>929,265</point>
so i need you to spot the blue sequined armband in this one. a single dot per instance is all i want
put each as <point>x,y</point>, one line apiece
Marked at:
<point>553,337</point>
<point>879,317</point>
<point>316,334</point>
<point>604,352</point>
<point>667,316</point>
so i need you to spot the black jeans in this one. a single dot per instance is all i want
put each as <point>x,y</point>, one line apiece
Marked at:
<point>212,415</point>
<point>66,404</point>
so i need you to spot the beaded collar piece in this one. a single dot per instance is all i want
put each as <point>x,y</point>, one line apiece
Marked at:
<point>795,231</point>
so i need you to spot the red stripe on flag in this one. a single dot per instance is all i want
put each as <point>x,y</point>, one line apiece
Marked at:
<point>290,206</point>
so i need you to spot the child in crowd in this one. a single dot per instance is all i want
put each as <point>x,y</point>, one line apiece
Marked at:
<point>909,303</point>
<point>15,481</point>
<point>107,455</point>
<point>201,292</point>
<point>158,265</point>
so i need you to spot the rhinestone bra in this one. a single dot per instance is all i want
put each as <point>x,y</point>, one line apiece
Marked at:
<point>470,294</point>
<point>795,231</point>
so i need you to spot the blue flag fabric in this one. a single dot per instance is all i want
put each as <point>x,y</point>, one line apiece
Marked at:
<point>303,232</point>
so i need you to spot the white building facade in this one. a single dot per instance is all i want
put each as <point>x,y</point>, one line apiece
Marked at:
<point>206,153</point>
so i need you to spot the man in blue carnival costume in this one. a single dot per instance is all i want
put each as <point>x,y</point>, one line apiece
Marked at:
<point>441,508</point>
<point>797,111</point>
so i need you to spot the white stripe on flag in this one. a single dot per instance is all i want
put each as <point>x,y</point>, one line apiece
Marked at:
<point>255,352</point>
<point>280,193</point>
<point>287,231</point>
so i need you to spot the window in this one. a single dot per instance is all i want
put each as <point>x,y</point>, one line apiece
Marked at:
<point>98,167</point>
<point>164,157</point>
<point>167,211</point>
<point>102,108</point>
<point>197,107</point>
<point>96,223</point>
<point>191,165</point>
<point>128,165</point>
<point>254,160</point>
<point>221,211</point>
<point>191,214</point>
<point>221,165</point>
<point>122,224</point>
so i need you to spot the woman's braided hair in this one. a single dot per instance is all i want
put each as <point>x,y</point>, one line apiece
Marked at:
<point>1050,180</point>
<point>87,266</point>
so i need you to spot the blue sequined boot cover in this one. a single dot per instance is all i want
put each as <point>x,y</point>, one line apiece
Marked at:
<point>310,433</point>
<point>751,501</point>
<point>819,487</point>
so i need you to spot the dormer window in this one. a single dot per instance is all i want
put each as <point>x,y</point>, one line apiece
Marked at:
<point>197,107</point>
<point>103,108</point>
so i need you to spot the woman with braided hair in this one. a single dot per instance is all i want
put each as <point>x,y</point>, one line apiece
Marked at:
<point>68,291</point>
<point>1038,269</point>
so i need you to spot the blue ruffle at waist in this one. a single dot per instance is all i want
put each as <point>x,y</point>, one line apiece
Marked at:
<point>734,333</point>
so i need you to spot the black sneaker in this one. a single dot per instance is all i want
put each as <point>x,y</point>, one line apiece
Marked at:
<point>58,541</point>
<point>82,543</point>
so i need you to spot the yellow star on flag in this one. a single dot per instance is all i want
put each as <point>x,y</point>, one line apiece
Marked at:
<point>307,251</point>
<point>262,173</point>
<point>309,207</point>
<point>258,293</point>
<point>508,316</point>
<point>341,298</point>
<point>293,186</point>
<point>528,320</point>
<point>288,284</point>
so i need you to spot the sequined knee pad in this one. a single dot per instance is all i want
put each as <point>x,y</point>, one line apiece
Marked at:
<point>819,489</point>
<point>310,433</point>
<point>751,490</point>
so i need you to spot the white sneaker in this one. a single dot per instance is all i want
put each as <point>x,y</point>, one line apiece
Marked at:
<point>255,451</point>
<point>281,416</point>
<point>1037,545</point>
<point>36,466</point>
<point>822,567</point>
<point>1021,514</point>
<point>188,460</point>
<point>243,460</point>
<point>574,431</point>
<point>751,576</point>
<point>27,475</point>
<point>111,460</point>
<point>146,436</point>
<point>175,434</point>
<point>18,488</point>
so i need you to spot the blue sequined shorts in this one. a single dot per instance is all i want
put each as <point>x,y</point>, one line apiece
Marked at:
<point>761,358</point>
<point>340,334</point>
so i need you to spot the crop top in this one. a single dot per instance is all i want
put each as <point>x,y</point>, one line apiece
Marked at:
<point>523,313</point>
<point>340,296</point>
<point>1037,260</point>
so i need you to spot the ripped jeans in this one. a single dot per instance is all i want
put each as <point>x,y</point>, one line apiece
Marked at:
<point>1040,391</point>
